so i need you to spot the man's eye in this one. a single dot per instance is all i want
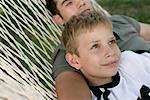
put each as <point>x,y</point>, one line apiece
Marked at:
<point>68,3</point>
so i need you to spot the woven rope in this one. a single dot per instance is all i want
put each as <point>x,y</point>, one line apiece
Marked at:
<point>28,37</point>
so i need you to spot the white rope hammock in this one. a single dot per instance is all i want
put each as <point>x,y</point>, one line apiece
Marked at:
<point>28,37</point>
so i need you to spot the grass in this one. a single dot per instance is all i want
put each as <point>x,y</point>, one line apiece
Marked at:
<point>138,9</point>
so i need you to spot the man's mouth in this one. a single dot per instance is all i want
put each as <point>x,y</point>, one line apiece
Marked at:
<point>86,10</point>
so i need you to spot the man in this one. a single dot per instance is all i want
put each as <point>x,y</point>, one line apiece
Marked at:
<point>71,85</point>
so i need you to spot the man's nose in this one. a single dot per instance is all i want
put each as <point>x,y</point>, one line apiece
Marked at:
<point>81,3</point>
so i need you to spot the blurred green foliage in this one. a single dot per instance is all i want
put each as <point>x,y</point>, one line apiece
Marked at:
<point>138,9</point>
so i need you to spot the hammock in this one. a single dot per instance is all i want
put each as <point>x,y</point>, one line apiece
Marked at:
<point>28,37</point>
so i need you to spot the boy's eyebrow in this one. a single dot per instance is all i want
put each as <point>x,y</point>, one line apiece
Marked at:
<point>94,41</point>
<point>113,37</point>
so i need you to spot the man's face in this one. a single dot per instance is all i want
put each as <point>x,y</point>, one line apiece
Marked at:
<point>68,8</point>
<point>98,53</point>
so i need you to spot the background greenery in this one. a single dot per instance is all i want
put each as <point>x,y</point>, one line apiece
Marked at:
<point>138,9</point>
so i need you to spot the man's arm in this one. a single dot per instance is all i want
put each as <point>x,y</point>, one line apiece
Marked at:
<point>145,31</point>
<point>72,86</point>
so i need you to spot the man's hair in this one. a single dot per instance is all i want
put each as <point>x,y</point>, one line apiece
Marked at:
<point>51,6</point>
<point>82,23</point>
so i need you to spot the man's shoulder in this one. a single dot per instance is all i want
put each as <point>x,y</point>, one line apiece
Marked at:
<point>119,18</point>
<point>60,48</point>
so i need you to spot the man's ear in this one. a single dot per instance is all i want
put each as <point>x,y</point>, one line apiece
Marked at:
<point>72,59</point>
<point>58,19</point>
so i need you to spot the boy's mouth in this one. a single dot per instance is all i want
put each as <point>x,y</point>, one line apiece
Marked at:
<point>111,64</point>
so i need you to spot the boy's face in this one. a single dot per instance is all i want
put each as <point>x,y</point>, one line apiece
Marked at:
<point>68,8</point>
<point>99,54</point>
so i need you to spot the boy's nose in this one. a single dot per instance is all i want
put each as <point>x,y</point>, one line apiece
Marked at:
<point>109,51</point>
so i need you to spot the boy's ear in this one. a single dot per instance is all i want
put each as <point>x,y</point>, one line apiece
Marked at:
<point>72,59</point>
<point>58,19</point>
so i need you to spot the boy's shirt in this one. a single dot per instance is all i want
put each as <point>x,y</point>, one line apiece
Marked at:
<point>127,33</point>
<point>132,81</point>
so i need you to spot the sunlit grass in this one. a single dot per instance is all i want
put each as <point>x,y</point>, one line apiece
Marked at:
<point>138,9</point>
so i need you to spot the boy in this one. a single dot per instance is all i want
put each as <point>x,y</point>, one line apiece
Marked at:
<point>128,35</point>
<point>91,48</point>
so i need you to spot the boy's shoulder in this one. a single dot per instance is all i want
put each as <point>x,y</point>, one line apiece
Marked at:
<point>135,57</point>
<point>132,54</point>
<point>132,64</point>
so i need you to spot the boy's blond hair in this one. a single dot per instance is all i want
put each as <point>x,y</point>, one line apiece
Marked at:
<point>82,23</point>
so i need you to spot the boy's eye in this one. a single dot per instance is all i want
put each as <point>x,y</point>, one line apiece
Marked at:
<point>112,42</point>
<point>95,46</point>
